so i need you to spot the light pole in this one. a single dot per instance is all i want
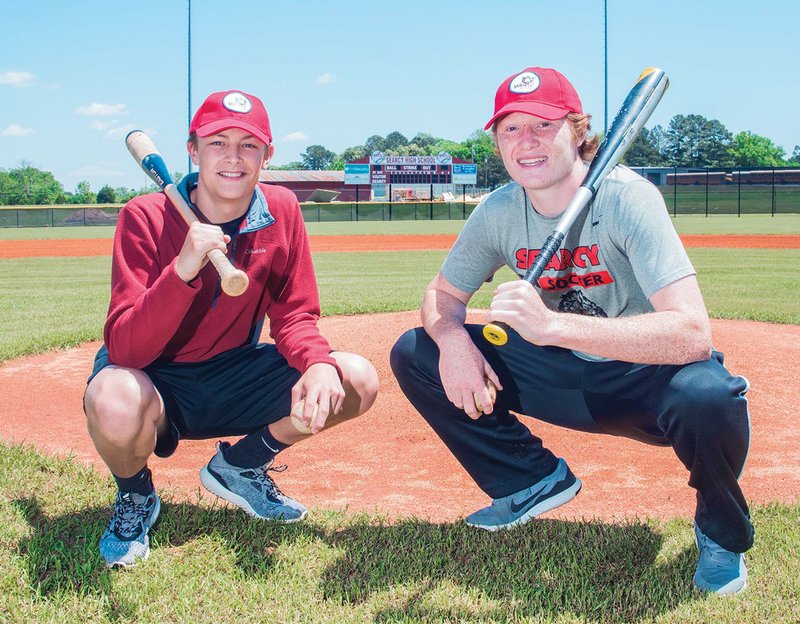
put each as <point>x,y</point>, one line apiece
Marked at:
<point>605,65</point>
<point>189,82</point>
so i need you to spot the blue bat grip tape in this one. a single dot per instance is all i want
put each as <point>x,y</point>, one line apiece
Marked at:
<point>154,165</point>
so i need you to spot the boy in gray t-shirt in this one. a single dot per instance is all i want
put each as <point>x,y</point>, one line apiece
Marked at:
<point>614,338</point>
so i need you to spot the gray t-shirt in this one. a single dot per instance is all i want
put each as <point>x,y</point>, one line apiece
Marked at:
<point>618,252</point>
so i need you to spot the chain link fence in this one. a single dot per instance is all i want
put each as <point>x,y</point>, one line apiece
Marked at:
<point>739,191</point>
<point>732,191</point>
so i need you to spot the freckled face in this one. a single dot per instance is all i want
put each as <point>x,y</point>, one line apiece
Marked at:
<point>537,153</point>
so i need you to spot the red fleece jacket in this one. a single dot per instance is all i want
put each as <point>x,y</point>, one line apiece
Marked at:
<point>154,314</point>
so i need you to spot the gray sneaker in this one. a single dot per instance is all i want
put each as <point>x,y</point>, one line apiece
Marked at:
<point>504,513</point>
<point>719,571</point>
<point>252,489</point>
<point>125,540</point>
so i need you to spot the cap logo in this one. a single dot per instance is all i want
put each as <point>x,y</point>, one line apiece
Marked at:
<point>237,102</point>
<point>526,82</point>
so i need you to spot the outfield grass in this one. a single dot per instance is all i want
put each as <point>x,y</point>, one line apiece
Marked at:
<point>215,564</point>
<point>48,303</point>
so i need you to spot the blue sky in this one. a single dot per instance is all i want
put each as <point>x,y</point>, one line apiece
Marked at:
<point>76,76</point>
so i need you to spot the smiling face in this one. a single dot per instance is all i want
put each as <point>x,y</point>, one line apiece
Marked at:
<point>539,154</point>
<point>229,166</point>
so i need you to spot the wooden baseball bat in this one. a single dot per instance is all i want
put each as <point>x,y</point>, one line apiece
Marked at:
<point>636,110</point>
<point>144,152</point>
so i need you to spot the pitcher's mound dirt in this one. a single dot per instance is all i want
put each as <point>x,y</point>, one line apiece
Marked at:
<point>389,461</point>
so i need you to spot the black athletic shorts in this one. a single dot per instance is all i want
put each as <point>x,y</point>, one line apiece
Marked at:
<point>232,394</point>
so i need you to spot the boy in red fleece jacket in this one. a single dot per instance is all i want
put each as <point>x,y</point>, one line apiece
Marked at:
<point>182,359</point>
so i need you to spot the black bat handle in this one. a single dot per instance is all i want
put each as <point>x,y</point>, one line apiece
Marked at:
<point>544,256</point>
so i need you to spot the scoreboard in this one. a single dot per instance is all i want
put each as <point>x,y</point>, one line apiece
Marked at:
<point>411,169</point>
<point>412,174</point>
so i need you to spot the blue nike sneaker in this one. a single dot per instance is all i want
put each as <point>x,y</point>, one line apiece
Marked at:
<point>252,489</point>
<point>553,491</point>
<point>126,540</point>
<point>719,571</point>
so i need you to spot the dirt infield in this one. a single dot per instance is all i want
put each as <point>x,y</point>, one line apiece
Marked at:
<point>401,242</point>
<point>389,461</point>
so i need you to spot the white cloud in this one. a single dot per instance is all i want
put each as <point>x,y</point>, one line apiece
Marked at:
<point>102,125</point>
<point>119,132</point>
<point>295,136</point>
<point>96,109</point>
<point>15,130</point>
<point>17,78</point>
<point>325,78</point>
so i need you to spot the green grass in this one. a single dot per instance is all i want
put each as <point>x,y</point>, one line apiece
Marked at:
<point>751,284</point>
<point>684,224</point>
<point>215,564</point>
<point>49,303</point>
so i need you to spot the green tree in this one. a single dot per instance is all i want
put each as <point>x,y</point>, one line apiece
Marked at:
<point>643,152</point>
<point>7,188</point>
<point>494,172</point>
<point>458,150</point>
<point>795,159</point>
<point>410,150</point>
<point>375,143</point>
<point>424,140</point>
<point>123,194</point>
<point>354,153</point>
<point>83,194</point>
<point>106,195</point>
<point>317,157</point>
<point>752,150</point>
<point>28,185</point>
<point>658,137</point>
<point>295,165</point>
<point>694,141</point>
<point>394,141</point>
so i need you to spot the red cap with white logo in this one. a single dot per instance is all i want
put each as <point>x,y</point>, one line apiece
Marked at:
<point>232,109</point>
<point>538,91</point>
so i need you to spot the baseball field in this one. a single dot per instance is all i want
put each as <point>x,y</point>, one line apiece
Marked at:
<point>384,541</point>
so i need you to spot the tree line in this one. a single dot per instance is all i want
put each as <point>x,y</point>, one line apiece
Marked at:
<point>688,141</point>
<point>26,185</point>
<point>694,141</point>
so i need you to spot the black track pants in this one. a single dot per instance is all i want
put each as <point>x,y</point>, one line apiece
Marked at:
<point>698,409</point>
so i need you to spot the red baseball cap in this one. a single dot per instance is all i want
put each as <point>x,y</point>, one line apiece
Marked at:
<point>232,109</point>
<point>538,91</point>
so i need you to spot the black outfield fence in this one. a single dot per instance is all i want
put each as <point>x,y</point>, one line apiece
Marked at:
<point>63,216</point>
<point>739,191</point>
<point>718,191</point>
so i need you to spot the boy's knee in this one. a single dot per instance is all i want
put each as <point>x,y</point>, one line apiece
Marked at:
<point>360,380</point>
<point>405,352</point>
<point>116,402</point>
<point>364,378</point>
<point>713,403</point>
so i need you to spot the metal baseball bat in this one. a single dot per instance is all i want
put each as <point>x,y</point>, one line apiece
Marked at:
<point>636,110</point>
<point>144,152</point>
